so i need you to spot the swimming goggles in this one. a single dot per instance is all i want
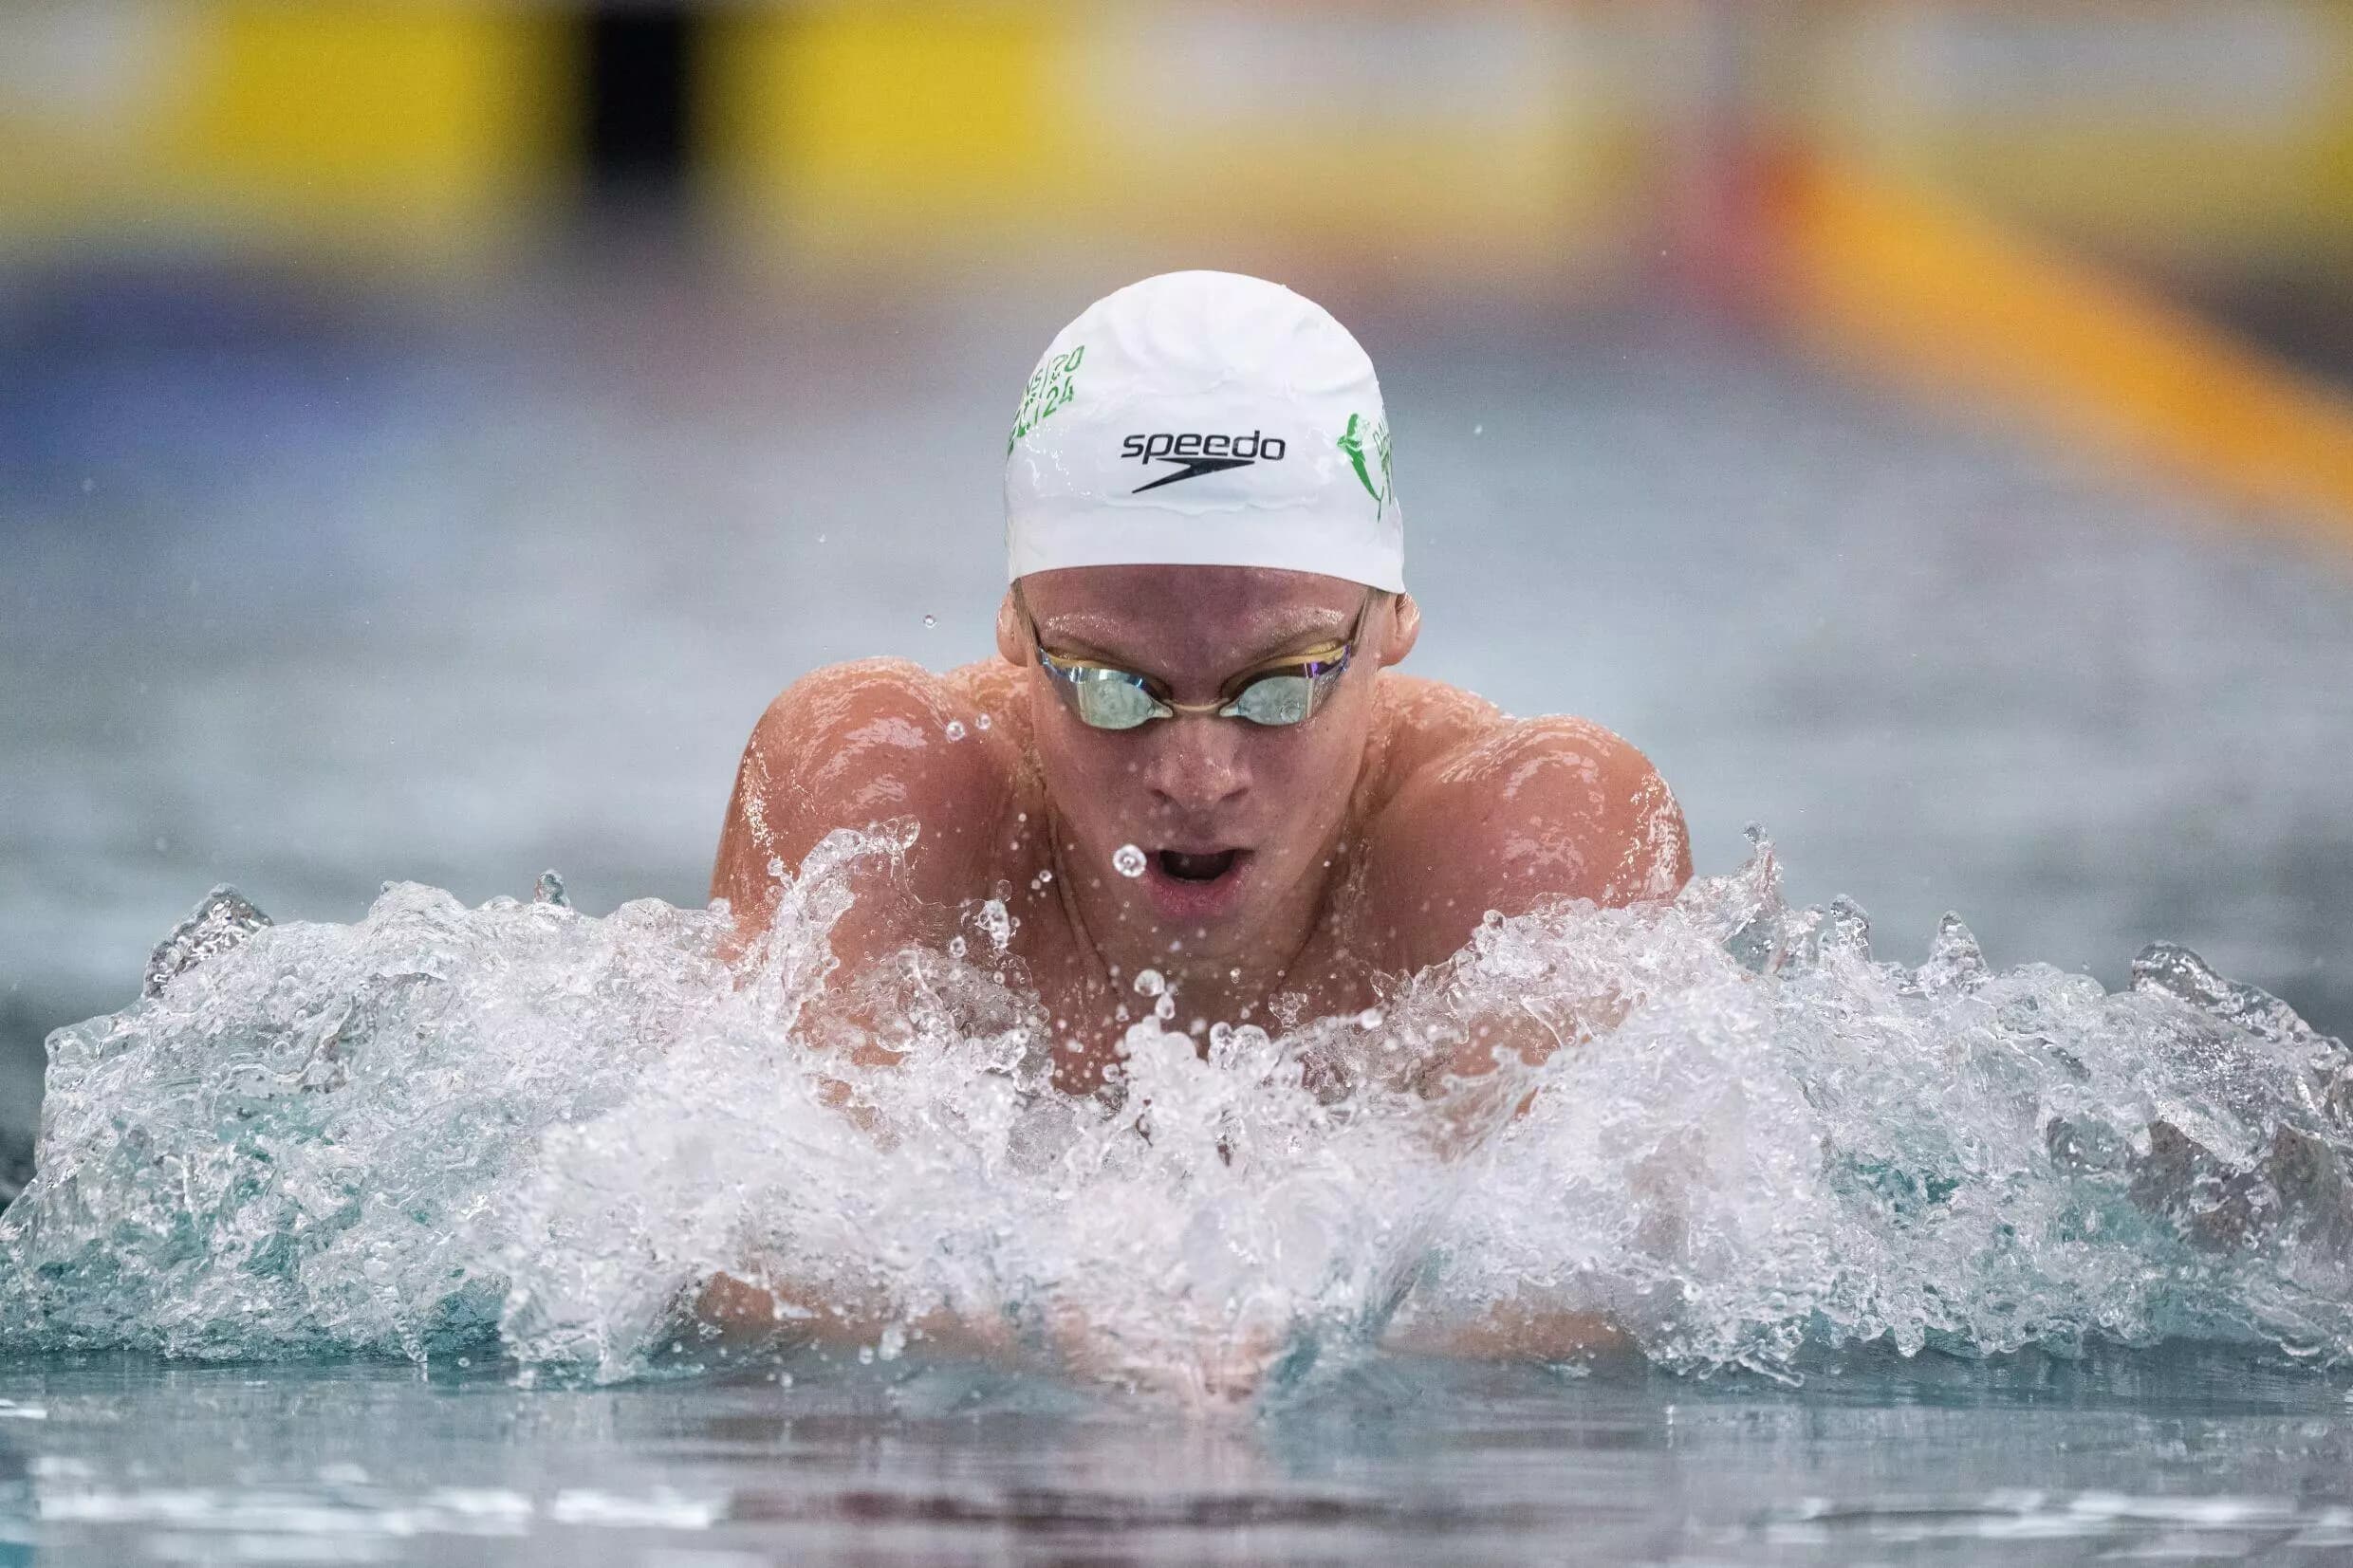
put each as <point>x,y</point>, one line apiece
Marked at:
<point>1282,691</point>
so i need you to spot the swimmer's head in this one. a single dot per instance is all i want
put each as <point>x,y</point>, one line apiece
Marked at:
<point>1198,490</point>
<point>1204,418</point>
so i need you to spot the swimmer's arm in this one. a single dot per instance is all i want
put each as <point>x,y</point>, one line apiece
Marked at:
<point>854,746</point>
<point>750,1310</point>
<point>1513,1331</point>
<point>1532,810</point>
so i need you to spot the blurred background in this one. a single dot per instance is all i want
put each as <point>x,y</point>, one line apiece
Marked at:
<point>431,432</point>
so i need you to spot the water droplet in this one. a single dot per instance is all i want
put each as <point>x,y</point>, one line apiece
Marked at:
<point>1165,1008</point>
<point>981,723</point>
<point>931,621</point>
<point>1148,982</point>
<point>1478,430</point>
<point>1234,974</point>
<point>1128,860</point>
<point>955,729</point>
<point>996,923</point>
<point>1368,1019</point>
<point>956,946</point>
<point>821,538</point>
<point>775,865</point>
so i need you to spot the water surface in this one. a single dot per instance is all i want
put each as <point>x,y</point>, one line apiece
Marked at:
<point>2204,1454</point>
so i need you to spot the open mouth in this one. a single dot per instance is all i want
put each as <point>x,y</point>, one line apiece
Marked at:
<point>1182,867</point>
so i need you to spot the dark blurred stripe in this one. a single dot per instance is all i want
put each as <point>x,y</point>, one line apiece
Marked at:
<point>638,99</point>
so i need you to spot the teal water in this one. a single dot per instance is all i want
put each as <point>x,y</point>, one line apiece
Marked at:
<point>2182,1454</point>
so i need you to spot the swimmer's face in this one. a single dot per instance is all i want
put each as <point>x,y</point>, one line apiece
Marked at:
<point>1235,819</point>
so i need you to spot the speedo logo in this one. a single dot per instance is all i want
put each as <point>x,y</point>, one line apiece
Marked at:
<point>1200,455</point>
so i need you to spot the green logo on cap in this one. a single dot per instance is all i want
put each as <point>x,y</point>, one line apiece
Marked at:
<point>1055,384</point>
<point>1366,442</point>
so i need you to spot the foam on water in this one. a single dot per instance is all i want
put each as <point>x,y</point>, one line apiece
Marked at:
<point>521,1127</point>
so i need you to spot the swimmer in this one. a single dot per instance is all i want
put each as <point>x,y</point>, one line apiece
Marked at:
<point>1195,753</point>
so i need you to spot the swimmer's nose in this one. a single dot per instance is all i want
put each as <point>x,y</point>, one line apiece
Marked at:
<point>1197,767</point>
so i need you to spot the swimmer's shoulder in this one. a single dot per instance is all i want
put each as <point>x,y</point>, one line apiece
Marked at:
<point>1490,812</point>
<point>867,743</point>
<point>1422,720</point>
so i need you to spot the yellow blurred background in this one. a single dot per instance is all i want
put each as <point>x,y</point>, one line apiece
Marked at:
<point>1540,145</point>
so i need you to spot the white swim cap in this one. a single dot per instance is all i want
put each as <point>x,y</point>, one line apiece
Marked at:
<point>1204,419</point>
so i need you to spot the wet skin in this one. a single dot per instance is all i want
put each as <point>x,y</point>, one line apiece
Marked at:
<point>1287,868</point>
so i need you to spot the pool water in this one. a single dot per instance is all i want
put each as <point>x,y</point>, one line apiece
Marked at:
<point>2179,1454</point>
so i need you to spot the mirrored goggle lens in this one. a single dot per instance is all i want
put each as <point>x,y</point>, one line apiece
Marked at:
<point>1275,700</point>
<point>1105,699</point>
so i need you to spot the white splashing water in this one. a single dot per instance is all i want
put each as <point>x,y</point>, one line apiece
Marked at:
<point>442,1126</point>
